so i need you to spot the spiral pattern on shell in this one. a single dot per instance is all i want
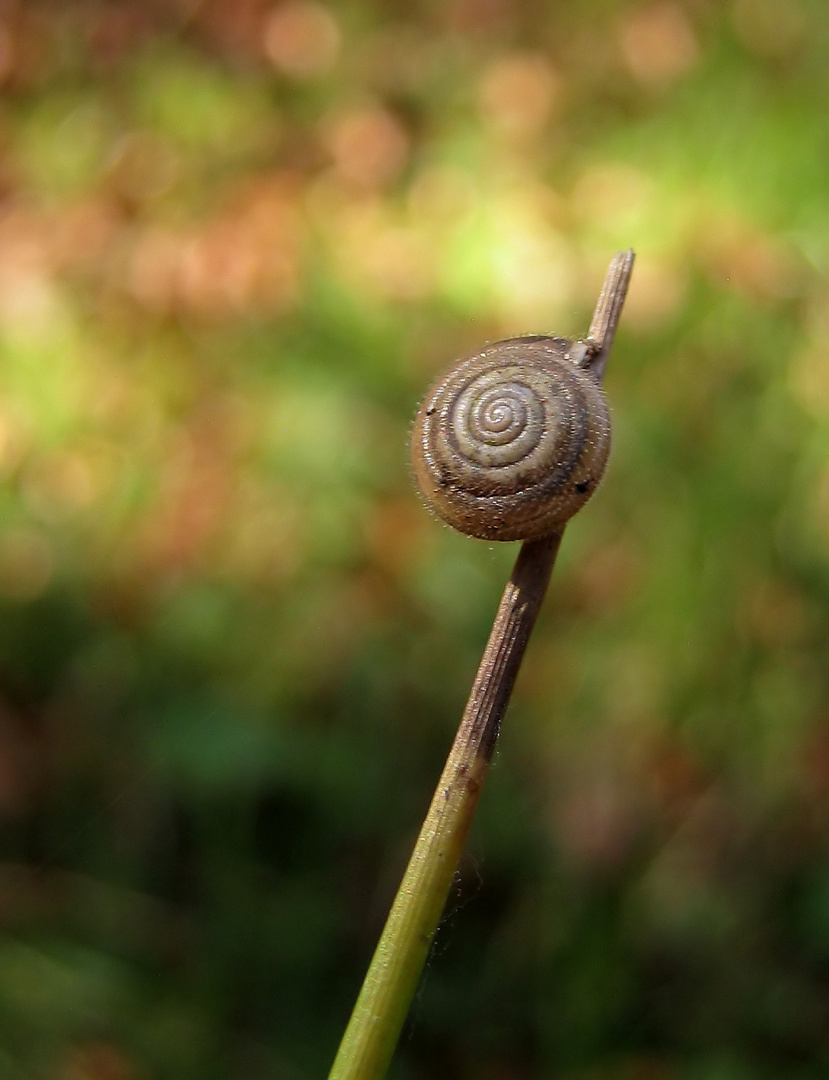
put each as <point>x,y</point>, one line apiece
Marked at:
<point>512,441</point>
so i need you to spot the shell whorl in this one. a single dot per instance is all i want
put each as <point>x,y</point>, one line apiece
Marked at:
<point>512,441</point>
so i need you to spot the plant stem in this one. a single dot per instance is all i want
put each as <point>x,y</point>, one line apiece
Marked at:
<point>372,1032</point>
<point>389,986</point>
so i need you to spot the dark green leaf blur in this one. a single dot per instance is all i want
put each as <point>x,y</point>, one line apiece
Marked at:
<point>237,240</point>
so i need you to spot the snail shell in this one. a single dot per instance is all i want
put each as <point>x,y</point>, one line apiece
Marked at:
<point>513,440</point>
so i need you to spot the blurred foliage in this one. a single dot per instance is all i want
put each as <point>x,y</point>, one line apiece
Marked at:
<point>236,242</point>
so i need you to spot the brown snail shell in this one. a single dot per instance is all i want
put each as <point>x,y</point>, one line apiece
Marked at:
<point>513,440</point>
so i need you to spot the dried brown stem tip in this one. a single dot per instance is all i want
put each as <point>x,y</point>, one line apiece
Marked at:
<point>608,309</point>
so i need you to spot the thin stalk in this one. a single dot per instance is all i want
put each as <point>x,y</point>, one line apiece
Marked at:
<point>374,1028</point>
<point>392,977</point>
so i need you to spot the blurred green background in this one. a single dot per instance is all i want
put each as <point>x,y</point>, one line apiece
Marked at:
<point>237,240</point>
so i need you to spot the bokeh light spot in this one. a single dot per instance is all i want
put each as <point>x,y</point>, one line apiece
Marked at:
<point>658,44</point>
<point>518,94</point>
<point>301,39</point>
<point>369,146</point>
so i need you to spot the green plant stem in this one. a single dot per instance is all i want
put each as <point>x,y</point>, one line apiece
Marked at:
<point>389,986</point>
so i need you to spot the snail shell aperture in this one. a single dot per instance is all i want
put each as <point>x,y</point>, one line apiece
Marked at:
<point>513,440</point>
